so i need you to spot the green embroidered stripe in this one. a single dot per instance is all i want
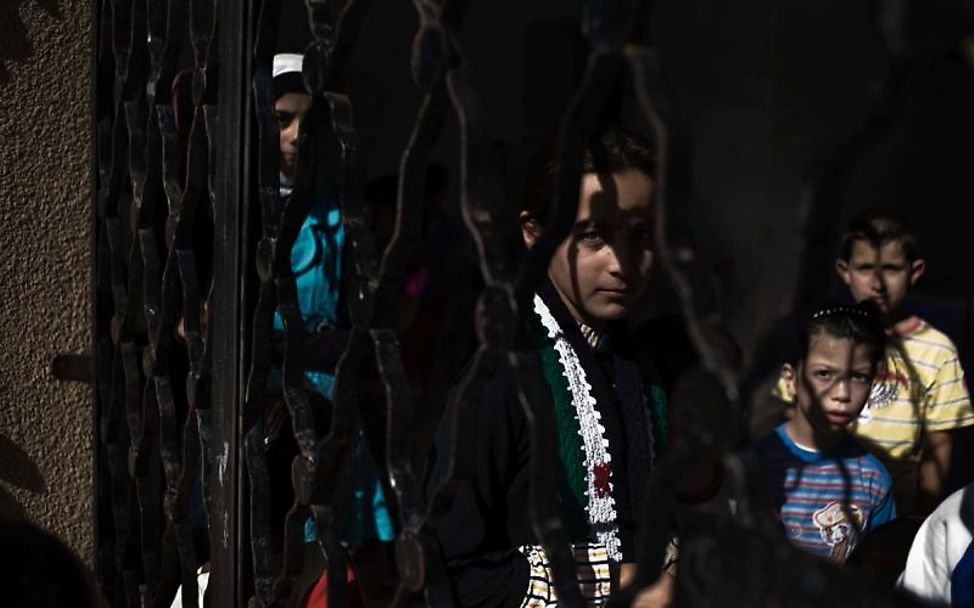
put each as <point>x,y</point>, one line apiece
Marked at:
<point>571,452</point>
<point>572,497</point>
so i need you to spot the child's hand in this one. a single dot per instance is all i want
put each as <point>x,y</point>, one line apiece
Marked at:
<point>626,574</point>
<point>657,595</point>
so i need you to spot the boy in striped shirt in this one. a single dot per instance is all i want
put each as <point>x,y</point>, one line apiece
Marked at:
<point>919,394</point>
<point>823,485</point>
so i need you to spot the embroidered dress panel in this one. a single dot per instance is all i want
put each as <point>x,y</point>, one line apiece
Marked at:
<point>598,461</point>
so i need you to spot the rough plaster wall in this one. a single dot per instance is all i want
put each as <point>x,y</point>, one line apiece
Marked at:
<point>45,207</point>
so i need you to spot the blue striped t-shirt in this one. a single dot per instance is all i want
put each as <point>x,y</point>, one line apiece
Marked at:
<point>807,490</point>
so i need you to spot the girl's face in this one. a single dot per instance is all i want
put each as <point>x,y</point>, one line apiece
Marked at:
<point>290,109</point>
<point>603,266</point>
<point>831,386</point>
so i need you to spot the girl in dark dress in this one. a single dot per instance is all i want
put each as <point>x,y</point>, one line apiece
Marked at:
<point>610,406</point>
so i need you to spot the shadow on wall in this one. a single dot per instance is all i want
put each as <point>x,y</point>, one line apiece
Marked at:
<point>17,469</point>
<point>38,570</point>
<point>15,44</point>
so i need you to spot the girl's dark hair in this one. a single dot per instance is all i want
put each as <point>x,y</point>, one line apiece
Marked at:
<point>861,323</point>
<point>610,149</point>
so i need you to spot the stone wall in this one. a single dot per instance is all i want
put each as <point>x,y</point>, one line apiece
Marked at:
<point>45,268</point>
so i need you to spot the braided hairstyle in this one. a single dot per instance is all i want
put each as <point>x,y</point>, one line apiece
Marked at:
<point>862,323</point>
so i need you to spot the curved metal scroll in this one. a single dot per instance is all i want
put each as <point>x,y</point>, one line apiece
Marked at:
<point>146,398</point>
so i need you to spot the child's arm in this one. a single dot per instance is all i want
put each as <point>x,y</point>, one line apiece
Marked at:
<point>934,466</point>
<point>947,406</point>
<point>658,595</point>
<point>927,571</point>
<point>885,510</point>
<point>485,568</point>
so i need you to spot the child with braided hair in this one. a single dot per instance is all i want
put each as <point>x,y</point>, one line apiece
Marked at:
<point>824,486</point>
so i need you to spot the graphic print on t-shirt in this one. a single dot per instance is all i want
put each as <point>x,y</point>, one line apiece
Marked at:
<point>838,532</point>
<point>889,383</point>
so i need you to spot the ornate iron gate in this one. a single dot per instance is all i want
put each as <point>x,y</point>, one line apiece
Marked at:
<point>193,260</point>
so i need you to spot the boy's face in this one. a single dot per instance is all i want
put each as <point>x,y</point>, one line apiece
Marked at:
<point>603,266</point>
<point>831,385</point>
<point>883,275</point>
<point>290,109</point>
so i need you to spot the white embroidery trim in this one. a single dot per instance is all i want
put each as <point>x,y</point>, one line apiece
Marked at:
<point>601,509</point>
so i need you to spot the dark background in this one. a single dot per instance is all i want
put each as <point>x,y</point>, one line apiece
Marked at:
<point>791,116</point>
<point>787,118</point>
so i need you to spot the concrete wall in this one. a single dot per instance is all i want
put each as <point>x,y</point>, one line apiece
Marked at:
<point>45,269</point>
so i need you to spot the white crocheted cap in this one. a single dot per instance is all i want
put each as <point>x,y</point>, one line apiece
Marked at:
<point>287,77</point>
<point>285,63</point>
